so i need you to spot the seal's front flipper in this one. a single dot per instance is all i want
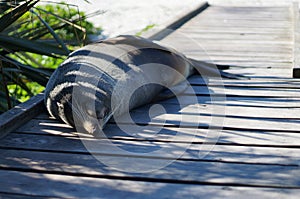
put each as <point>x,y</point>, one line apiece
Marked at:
<point>172,92</point>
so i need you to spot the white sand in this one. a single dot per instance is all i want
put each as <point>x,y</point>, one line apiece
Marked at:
<point>124,16</point>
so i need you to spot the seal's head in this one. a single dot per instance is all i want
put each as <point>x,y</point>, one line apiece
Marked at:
<point>90,113</point>
<point>79,94</point>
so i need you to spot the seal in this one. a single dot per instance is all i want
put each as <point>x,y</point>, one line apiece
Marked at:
<point>81,89</point>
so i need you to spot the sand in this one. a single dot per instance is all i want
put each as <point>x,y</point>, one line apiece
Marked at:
<point>131,16</point>
<point>127,16</point>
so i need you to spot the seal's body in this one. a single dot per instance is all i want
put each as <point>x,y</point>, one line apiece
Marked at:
<point>90,86</point>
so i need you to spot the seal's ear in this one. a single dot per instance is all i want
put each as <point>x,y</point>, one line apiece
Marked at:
<point>172,92</point>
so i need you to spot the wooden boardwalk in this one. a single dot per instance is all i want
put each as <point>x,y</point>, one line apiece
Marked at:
<point>244,146</point>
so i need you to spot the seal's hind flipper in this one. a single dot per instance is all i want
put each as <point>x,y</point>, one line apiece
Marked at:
<point>213,70</point>
<point>172,92</point>
<point>218,66</point>
<point>222,67</point>
<point>233,76</point>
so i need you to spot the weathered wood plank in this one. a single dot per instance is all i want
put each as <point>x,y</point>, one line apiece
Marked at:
<point>225,44</point>
<point>243,91</point>
<point>287,83</point>
<point>244,101</point>
<point>263,72</point>
<point>251,10</point>
<point>67,186</point>
<point>236,52</point>
<point>193,121</point>
<point>216,118</point>
<point>230,41</point>
<point>129,132</point>
<point>242,3</point>
<point>236,30</point>
<point>271,113</point>
<point>240,55</point>
<point>254,65</point>
<point>184,171</point>
<point>20,114</point>
<point>228,111</point>
<point>241,58</point>
<point>141,148</point>
<point>246,24</point>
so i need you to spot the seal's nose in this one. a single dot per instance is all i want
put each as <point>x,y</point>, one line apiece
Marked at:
<point>102,113</point>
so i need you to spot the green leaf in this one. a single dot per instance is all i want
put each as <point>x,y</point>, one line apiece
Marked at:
<point>18,44</point>
<point>56,37</point>
<point>35,74</point>
<point>14,77</point>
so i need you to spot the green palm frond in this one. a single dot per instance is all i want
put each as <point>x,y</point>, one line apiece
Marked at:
<point>10,17</point>
<point>34,40</point>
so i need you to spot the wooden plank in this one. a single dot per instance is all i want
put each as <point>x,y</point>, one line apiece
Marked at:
<point>187,145</point>
<point>240,58</point>
<point>185,171</point>
<point>230,29</point>
<point>267,72</point>
<point>236,36</point>
<point>242,18</point>
<point>234,53</point>
<point>225,43</point>
<point>241,42</point>
<point>271,113</point>
<point>199,121</point>
<point>242,3</point>
<point>175,116</point>
<point>67,186</point>
<point>279,64</point>
<point>244,101</point>
<point>211,14</point>
<point>262,31</point>
<point>252,10</point>
<point>20,114</point>
<point>231,111</point>
<point>221,23</point>
<point>252,83</point>
<point>228,137</point>
<point>250,64</point>
<point>243,91</point>
<point>246,24</point>
<point>245,15</point>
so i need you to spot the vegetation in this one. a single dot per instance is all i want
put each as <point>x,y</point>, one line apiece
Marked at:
<point>147,28</point>
<point>34,40</point>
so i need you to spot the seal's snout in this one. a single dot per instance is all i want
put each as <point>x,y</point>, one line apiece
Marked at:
<point>95,118</point>
<point>102,113</point>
